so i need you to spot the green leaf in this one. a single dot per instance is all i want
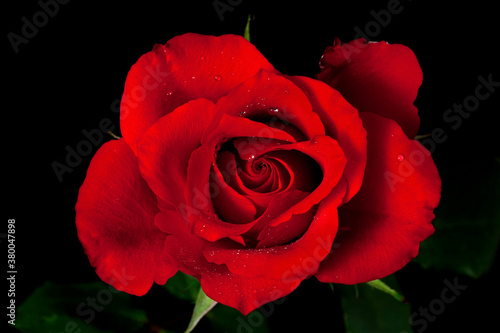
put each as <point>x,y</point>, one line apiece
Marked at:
<point>183,286</point>
<point>247,29</point>
<point>226,319</point>
<point>202,306</point>
<point>87,308</point>
<point>373,311</point>
<point>467,222</point>
<point>380,285</point>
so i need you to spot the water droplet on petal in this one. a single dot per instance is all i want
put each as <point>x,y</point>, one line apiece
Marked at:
<point>217,77</point>
<point>401,157</point>
<point>286,91</point>
<point>202,58</point>
<point>242,113</point>
<point>169,93</point>
<point>233,74</point>
<point>273,110</point>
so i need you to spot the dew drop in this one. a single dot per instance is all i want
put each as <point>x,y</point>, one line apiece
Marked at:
<point>273,110</point>
<point>242,113</point>
<point>401,157</point>
<point>233,74</point>
<point>202,58</point>
<point>169,93</point>
<point>286,91</point>
<point>217,78</point>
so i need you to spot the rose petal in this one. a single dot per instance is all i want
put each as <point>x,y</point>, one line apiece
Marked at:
<point>183,248</point>
<point>229,205</point>
<point>200,210</point>
<point>198,205</point>
<point>188,67</point>
<point>376,77</point>
<point>164,150</point>
<point>383,225</point>
<point>240,292</point>
<point>225,127</point>
<point>244,293</point>
<point>287,231</point>
<point>342,122</point>
<point>115,221</point>
<point>329,157</point>
<point>296,260</point>
<point>276,209</point>
<point>271,97</point>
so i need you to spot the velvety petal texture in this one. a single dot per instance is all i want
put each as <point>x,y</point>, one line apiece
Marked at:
<point>164,150</point>
<point>187,67</point>
<point>252,181</point>
<point>376,77</point>
<point>341,121</point>
<point>115,220</point>
<point>384,224</point>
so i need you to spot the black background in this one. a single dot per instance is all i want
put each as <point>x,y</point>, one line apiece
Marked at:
<point>66,78</point>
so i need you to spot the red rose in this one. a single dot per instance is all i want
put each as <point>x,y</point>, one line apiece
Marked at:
<point>251,180</point>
